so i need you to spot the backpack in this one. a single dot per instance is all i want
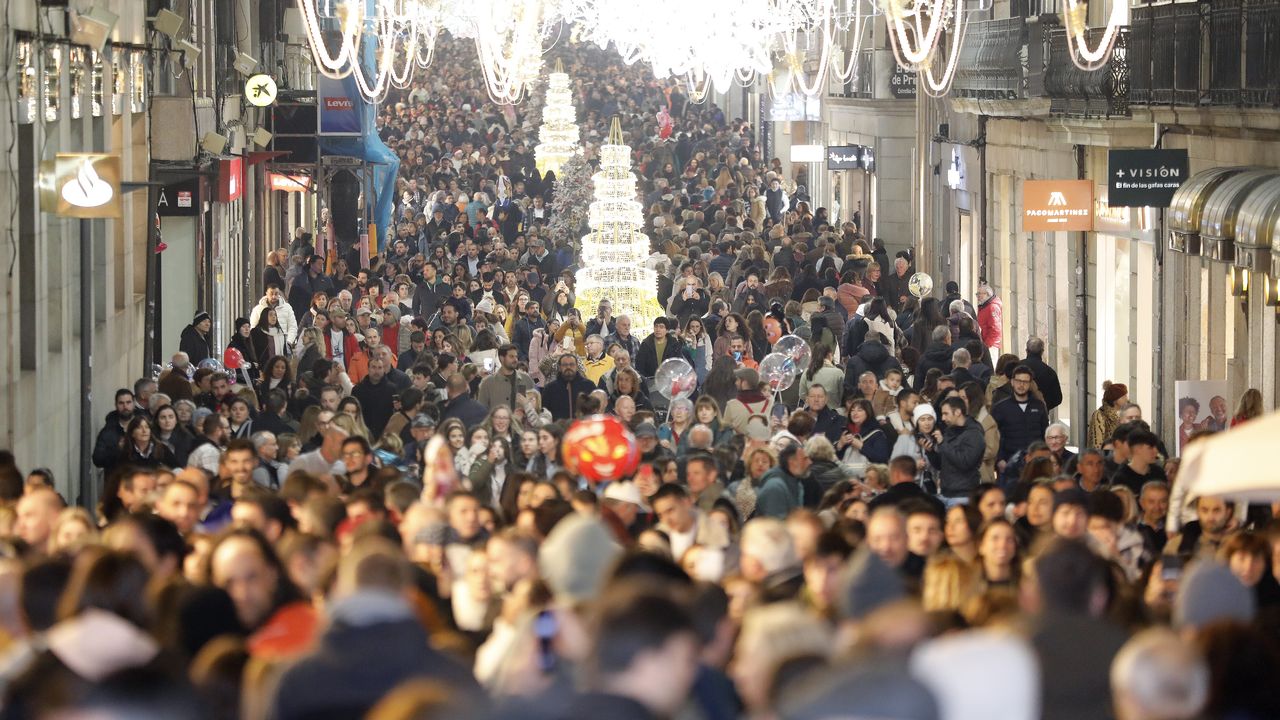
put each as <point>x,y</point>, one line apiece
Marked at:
<point>753,414</point>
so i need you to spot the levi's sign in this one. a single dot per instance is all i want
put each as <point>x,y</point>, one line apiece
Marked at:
<point>1144,178</point>
<point>1053,205</point>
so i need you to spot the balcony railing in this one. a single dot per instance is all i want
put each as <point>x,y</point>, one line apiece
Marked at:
<point>1261,54</point>
<point>992,61</point>
<point>1072,91</point>
<point>1224,52</point>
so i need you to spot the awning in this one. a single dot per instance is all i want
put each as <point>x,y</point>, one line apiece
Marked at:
<point>1222,208</point>
<point>1257,227</point>
<point>1188,204</point>
<point>260,156</point>
<point>1226,465</point>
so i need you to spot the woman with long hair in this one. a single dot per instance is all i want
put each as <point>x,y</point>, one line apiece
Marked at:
<point>732,326</point>
<point>312,348</point>
<point>698,342</point>
<point>500,422</point>
<point>961,531</point>
<point>476,447</point>
<point>822,371</point>
<point>351,406</point>
<point>998,554</point>
<point>275,376</point>
<point>172,435</point>
<point>720,383</point>
<point>1249,408</point>
<point>488,476</point>
<point>140,448</point>
<point>864,441</point>
<point>929,317</point>
<point>546,460</point>
<point>706,411</point>
<point>267,336</point>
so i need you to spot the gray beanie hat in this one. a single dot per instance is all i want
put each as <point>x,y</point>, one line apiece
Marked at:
<point>1210,592</point>
<point>576,556</point>
<point>866,584</point>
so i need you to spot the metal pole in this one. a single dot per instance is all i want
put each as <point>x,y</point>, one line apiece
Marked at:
<point>1081,414</point>
<point>982,198</point>
<point>86,366</point>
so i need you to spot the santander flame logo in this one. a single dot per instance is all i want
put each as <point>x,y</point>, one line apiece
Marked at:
<point>86,189</point>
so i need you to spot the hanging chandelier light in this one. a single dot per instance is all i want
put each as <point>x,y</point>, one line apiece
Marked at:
<point>915,28</point>
<point>508,39</point>
<point>558,137</point>
<point>1075,15</point>
<point>614,252</point>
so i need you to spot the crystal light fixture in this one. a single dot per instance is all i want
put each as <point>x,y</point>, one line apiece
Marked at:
<point>614,252</point>
<point>558,136</point>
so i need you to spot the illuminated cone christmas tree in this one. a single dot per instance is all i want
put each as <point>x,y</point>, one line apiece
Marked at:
<point>614,252</point>
<point>558,136</point>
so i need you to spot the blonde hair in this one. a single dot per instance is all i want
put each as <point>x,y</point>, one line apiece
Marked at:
<point>949,582</point>
<point>70,515</point>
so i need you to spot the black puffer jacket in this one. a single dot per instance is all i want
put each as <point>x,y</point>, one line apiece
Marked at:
<point>871,356</point>
<point>937,356</point>
<point>961,453</point>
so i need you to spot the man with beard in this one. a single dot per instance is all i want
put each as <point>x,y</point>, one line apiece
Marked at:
<point>107,448</point>
<point>560,396</point>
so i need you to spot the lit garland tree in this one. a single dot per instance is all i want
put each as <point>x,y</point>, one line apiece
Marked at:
<point>570,200</point>
<point>614,252</point>
<point>558,137</point>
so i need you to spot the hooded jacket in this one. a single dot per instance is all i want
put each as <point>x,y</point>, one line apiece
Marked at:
<point>938,355</point>
<point>871,356</point>
<point>960,453</point>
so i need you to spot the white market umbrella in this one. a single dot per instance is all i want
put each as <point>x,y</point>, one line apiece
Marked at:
<point>1236,464</point>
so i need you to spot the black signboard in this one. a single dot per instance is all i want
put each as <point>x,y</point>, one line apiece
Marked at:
<point>1143,177</point>
<point>179,199</point>
<point>844,157</point>
<point>902,83</point>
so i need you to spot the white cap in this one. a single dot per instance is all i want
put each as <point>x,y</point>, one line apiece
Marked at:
<point>623,491</point>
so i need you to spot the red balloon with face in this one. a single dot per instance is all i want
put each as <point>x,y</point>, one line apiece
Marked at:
<point>772,329</point>
<point>600,448</point>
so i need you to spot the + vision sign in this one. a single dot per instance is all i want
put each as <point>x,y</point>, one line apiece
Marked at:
<point>1144,177</point>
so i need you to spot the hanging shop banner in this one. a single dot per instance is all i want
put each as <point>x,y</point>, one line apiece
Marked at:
<point>338,106</point>
<point>1145,177</point>
<point>1054,205</point>
<point>179,199</point>
<point>81,185</point>
<point>230,180</point>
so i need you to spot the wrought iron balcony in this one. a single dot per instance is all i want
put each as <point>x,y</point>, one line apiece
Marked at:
<point>993,60</point>
<point>1224,52</point>
<point>1072,91</point>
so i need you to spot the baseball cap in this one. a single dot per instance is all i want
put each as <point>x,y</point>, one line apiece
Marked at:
<point>424,421</point>
<point>623,492</point>
<point>646,429</point>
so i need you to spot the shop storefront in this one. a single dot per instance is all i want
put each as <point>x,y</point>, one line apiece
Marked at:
<point>852,171</point>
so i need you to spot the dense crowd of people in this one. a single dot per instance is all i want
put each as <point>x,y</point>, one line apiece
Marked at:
<point>358,504</point>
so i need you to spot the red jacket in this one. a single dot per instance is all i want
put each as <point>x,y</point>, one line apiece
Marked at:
<point>350,346</point>
<point>990,321</point>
